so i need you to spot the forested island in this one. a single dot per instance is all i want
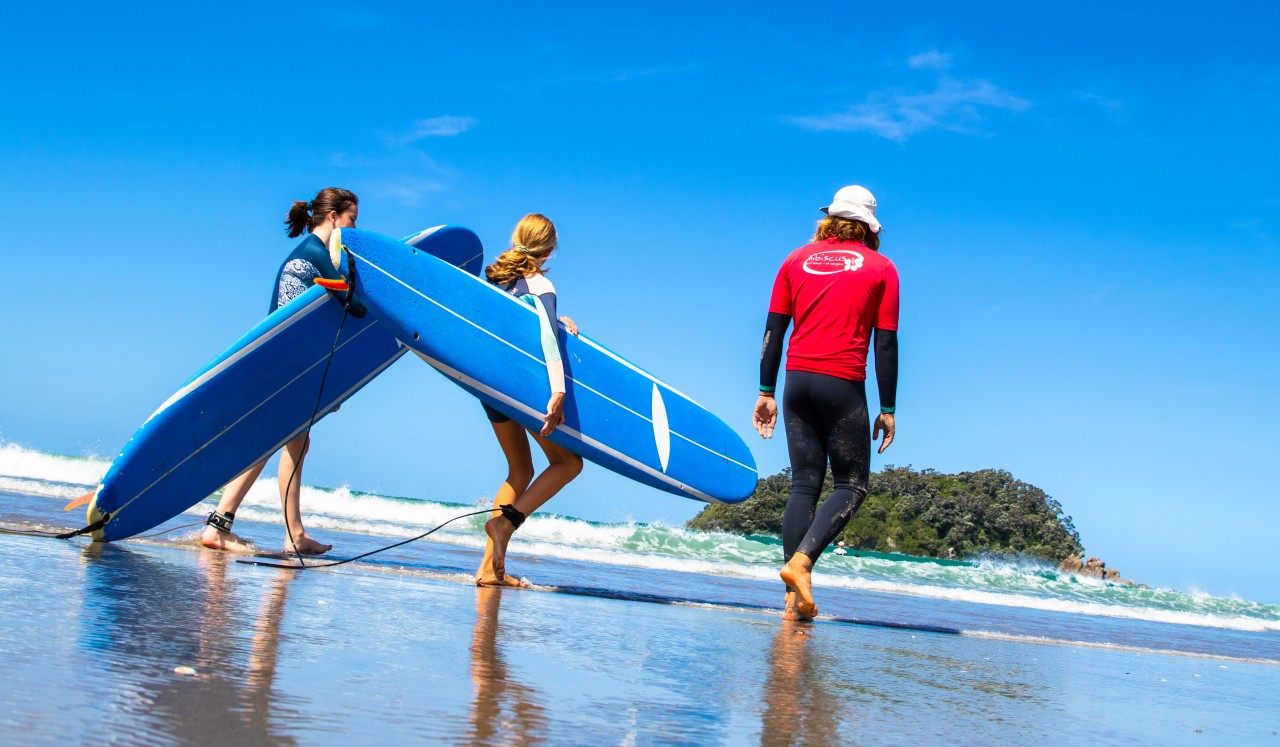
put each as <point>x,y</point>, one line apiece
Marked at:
<point>924,513</point>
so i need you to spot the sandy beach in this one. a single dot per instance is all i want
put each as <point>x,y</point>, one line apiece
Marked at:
<point>158,642</point>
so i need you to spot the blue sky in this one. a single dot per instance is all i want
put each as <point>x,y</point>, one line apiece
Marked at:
<point>1081,201</point>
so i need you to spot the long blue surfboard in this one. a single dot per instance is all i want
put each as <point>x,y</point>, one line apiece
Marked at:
<point>486,341</point>
<point>253,398</point>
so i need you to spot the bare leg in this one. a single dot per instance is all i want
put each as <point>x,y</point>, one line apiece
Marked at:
<point>797,575</point>
<point>563,465</point>
<point>233,494</point>
<point>515,447</point>
<point>290,478</point>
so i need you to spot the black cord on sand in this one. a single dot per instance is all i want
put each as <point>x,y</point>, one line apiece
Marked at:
<point>303,567</point>
<point>346,311</point>
<point>168,531</point>
<point>30,532</point>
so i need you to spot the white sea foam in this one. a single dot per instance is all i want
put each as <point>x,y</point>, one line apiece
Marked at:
<point>39,467</point>
<point>990,581</point>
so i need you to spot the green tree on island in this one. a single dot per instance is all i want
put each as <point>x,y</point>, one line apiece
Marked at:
<point>924,513</point>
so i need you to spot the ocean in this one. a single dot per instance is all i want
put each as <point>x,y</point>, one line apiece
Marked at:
<point>632,634</point>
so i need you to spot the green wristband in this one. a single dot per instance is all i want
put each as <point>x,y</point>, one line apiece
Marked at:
<point>887,410</point>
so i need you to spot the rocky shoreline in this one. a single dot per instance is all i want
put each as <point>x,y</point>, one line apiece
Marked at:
<point>1095,568</point>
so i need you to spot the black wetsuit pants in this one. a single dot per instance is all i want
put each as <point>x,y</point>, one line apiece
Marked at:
<point>826,420</point>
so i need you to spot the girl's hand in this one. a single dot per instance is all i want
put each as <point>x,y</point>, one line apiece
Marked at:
<point>555,414</point>
<point>570,325</point>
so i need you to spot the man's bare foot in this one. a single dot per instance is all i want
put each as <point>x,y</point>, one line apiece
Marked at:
<point>793,614</point>
<point>216,539</point>
<point>789,611</point>
<point>796,574</point>
<point>304,545</point>
<point>499,529</point>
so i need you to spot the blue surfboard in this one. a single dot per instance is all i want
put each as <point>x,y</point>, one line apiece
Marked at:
<point>616,414</point>
<point>253,398</point>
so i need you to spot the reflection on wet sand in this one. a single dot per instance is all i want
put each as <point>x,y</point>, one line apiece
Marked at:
<point>146,618</point>
<point>503,710</point>
<point>801,706</point>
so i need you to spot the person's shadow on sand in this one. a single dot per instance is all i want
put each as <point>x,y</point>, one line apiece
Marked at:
<point>504,710</point>
<point>800,706</point>
<point>153,620</point>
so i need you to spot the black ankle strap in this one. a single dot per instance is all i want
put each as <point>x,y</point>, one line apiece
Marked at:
<point>512,515</point>
<point>220,521</point>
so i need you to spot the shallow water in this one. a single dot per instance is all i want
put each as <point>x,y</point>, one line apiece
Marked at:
<point>402,647</point>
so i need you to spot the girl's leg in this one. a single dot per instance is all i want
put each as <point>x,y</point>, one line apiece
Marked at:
<point>515,447</point>
<point>290,478</point>
<point>233,494</point>
<point>562,466</point>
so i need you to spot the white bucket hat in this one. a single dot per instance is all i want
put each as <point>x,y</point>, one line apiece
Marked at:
<point>855,203</point>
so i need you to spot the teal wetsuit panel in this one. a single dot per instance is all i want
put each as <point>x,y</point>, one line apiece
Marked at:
<point>310,260</point>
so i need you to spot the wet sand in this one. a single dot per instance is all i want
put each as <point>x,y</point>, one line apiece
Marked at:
<point>151,644</point>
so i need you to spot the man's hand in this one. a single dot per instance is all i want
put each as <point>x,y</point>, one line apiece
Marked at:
<point>883,423</point>
<point>765,415</point>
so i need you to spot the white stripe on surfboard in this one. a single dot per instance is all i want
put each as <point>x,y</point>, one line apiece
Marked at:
<point>242,352</point>
<point>399,352</point>
<point>541,362</point>
<point>641,466</point>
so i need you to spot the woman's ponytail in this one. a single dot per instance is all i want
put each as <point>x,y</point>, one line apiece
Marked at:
<point>299,219</point>
<point>304,216</point>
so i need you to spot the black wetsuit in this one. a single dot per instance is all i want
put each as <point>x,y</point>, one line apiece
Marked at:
<point>826,420</point>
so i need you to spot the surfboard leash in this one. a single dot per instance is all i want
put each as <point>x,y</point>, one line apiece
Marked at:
<point>347,302</point>
<point>95,526</point>
<point>350,283</point>
<point>304,567</point>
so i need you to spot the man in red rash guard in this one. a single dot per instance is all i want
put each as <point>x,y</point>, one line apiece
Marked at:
<point>842,295</point>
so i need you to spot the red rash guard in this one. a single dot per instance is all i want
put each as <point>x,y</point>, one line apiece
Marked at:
<point>836,292</point>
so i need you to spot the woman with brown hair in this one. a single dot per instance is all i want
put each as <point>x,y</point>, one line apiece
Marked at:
<point>332,208</point>
<point>841,292</point>
<point>519,271</point>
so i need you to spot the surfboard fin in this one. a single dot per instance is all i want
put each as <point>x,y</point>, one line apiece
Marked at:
<point>81,501</point>
<point>333,285</point>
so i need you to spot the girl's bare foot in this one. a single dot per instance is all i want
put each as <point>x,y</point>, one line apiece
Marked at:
<point>217,539</point>
<point>499,529</point>
<point>304,545</point>
<point>489,579</point>
<point>796,574</point>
